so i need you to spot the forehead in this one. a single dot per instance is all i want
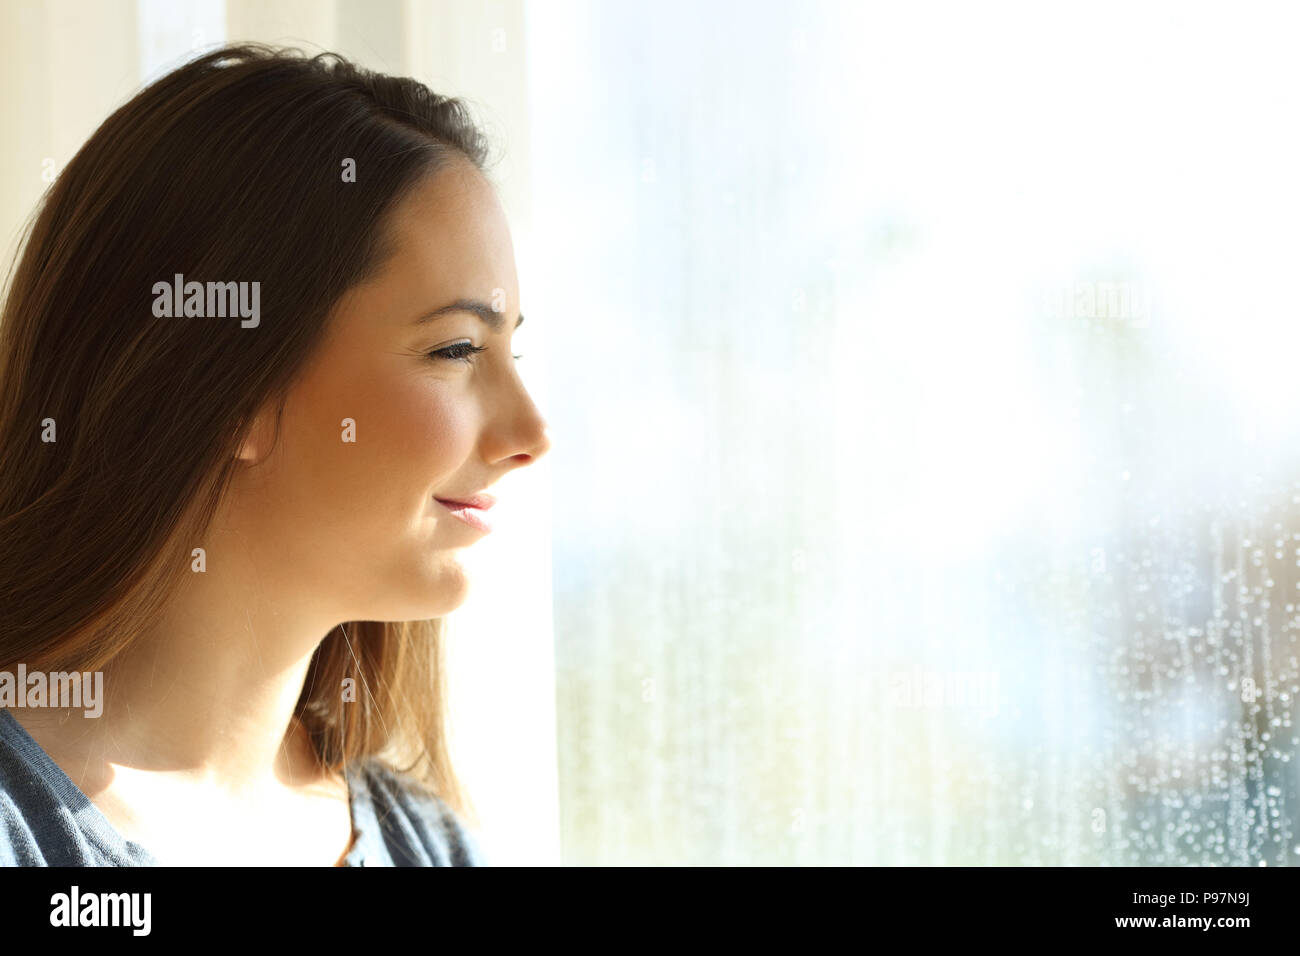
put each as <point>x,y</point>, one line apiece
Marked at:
<point>448,239</point>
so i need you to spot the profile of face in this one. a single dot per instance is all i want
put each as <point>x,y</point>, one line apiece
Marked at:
<point>391,414</point>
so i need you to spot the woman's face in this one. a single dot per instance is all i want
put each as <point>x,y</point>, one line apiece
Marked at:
<point>347,511</point>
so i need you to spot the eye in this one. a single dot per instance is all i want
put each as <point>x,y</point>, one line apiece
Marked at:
<point>460,352</point>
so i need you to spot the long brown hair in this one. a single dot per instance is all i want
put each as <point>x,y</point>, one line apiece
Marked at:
<point>231,165</point>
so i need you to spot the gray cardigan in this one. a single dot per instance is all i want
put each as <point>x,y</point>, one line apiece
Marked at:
<point>45,820</point>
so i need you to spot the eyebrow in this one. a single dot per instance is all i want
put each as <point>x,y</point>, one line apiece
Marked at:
<point>494,319</point>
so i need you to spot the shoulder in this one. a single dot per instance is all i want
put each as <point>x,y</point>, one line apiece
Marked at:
<point>23,800</point>
<point>415,827</point>
<point>44,819</point>
<point>18,843</point>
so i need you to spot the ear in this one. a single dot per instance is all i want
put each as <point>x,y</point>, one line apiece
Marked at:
<point>260,437</point>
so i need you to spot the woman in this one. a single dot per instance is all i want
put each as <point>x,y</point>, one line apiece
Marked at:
<point>255,381</point>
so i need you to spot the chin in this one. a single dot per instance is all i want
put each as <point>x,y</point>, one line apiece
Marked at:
<point>433,591</point>
<point>444,589</point>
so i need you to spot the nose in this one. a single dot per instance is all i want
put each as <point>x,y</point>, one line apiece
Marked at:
<point>540,446</point>
<point>525,437</point>
<point>544,441</point>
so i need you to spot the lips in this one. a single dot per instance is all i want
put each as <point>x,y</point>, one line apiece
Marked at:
<point>471,510</point>
<point>482,501</point>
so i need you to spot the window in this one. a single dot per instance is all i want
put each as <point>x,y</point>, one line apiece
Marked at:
<point>925,486</point>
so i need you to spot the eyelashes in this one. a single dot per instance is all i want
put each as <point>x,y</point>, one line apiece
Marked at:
<point>461,352</point>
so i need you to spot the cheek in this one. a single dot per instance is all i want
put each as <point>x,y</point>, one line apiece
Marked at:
<point>411,437</point>
<point>359,514</point>
<point>414,437</point>
<point>424,434</point>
